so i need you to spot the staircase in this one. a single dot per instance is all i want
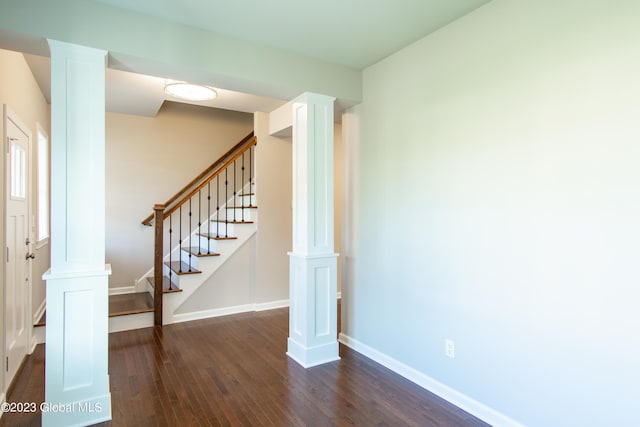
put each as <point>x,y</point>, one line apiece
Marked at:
<point>200,228</point>
<point>196,232</point>
<point>189,266</point>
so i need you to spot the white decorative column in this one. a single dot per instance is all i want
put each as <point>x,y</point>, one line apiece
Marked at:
<point>76,373</point>
<point>313,262</point>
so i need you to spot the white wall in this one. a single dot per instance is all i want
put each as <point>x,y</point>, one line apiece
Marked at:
<point>496,202</point>
<point>232,285</point>
<point>148,161</point>
<point>20,91</point>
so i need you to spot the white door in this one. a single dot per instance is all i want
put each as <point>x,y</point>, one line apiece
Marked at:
<point>17,271</point>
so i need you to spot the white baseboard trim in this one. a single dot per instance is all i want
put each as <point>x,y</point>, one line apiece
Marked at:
<point>122,290</point>
<point>263,306</point>
<point>449,394</point>
<point>214,312</point>
<point>225,311</point>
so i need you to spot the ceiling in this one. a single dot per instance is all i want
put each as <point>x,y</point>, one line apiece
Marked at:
<point>353,33</point>
<point>350,33</point>
<point>137,94</point>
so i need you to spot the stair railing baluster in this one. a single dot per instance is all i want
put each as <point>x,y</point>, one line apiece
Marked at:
<point>242,188</point>
<point>180,243</point>
<point>170,251</point>
<point>208,216</point>
<point>250,177</point>
<point>226,202</point>
<point>217,206</point>
<point>189,232</point>
<point>235,196</point>
<point>199,218</point>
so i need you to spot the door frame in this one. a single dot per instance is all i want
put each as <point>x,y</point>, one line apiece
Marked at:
<point>10,115</point>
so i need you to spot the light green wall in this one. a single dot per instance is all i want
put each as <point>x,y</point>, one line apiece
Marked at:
<point>495,186</point>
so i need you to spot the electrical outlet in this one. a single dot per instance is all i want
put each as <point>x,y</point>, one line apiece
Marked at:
<point>450,348</point>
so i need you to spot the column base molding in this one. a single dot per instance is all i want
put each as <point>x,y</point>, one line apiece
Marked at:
<point>78,413</point>
<point>76,376</point>
<point>313,309</point>
<point>308,357</point>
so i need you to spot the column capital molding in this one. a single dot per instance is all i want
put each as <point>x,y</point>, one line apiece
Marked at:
<point>313,98</point>
<point>71,49</point>
<point>48,275</point>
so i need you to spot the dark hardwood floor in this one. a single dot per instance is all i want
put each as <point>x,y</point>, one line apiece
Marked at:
<point>233,370</point>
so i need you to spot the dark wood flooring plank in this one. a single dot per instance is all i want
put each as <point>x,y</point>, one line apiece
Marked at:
<point>233,371</point>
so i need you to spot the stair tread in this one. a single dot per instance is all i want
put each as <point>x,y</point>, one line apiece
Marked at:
<point>231,222</point>
<point>240,207</point>
<point>200,252</point>
<point>246,194</point>
<point>216,237</point>
<point>167,286</point>
<point>181,268</point>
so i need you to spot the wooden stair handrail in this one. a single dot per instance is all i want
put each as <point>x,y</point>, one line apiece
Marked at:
<point>210,178</point>
<point>147,221</point>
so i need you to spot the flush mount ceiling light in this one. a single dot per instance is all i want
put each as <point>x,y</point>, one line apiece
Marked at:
<point>190,91</point>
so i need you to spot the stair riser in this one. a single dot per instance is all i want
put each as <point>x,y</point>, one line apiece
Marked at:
<point>212,244</point>
<point>222,228</point>
<point>129,322</point>
<point>180,281</point>
<point>175,277</point>
<point>193,260</point>
<point>248,200</point>
<point>236,214</point>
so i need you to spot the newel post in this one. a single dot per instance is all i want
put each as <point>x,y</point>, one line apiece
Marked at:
<point>157,264</point>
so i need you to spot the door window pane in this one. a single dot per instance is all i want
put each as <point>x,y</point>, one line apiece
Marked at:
<point>43,185</point>
<point>18,172</point>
